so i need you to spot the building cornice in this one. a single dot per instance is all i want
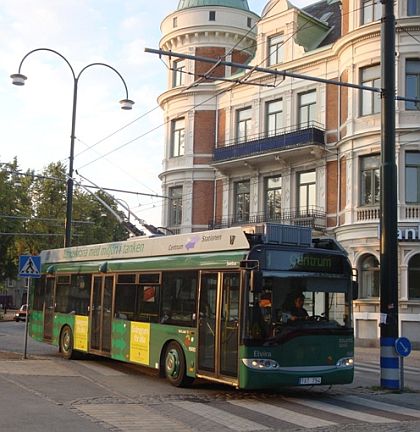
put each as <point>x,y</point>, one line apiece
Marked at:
<point>210,36</point>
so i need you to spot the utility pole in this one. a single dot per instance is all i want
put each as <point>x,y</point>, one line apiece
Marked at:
<point>388,216</point>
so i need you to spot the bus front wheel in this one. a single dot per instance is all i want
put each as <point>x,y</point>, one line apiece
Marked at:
<point>175,366</point>
<point>66,343</point>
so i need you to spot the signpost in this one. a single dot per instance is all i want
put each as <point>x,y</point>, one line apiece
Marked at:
<point>29,267</point>
<point>403,349</point>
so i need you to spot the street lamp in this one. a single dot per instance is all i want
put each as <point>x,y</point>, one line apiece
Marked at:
<point>126,104</point>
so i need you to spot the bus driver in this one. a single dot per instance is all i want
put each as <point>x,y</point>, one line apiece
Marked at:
<point>298,312</point>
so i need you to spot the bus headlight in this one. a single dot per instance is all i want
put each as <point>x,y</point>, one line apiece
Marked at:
<point>260,364</point>
<point>345,362</point>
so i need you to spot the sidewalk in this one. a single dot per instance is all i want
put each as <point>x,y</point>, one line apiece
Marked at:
<point>363,354</point>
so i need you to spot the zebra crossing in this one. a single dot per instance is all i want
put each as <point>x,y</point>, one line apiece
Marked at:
<point>249,414</point>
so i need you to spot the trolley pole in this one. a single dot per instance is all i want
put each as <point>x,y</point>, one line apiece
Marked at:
<point>388,210</point>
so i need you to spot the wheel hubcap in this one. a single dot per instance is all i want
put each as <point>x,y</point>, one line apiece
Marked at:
<point>66,341</point>
<point>172,363</point>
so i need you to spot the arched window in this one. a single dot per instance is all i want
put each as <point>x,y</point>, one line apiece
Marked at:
<point>369,277</point>
<point>414,277</point>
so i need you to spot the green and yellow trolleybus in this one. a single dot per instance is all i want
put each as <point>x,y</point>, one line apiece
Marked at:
<point>219,305</point>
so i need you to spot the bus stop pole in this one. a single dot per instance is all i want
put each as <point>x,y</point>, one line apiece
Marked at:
<point>27,318</point>
<point>401,373</point>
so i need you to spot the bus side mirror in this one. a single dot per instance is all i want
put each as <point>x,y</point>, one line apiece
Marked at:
<point>355,290</point>
<point>256,281</point>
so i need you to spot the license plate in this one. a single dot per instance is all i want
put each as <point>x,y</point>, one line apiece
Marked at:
<point>309,380</point>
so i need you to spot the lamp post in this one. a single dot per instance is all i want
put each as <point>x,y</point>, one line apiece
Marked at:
<point>126,104</point>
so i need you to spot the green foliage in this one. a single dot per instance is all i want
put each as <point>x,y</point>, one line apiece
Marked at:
<point>32,214</point>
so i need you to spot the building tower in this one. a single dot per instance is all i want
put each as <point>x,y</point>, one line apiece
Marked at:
<point>222,29</point>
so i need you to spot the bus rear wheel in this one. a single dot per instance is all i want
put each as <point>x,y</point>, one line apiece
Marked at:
<point>175,366</point>
<point>66,343</point>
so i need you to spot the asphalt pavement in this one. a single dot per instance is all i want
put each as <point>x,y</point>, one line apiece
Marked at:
<point>100,395</point>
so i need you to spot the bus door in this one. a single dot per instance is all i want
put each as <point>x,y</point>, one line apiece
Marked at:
<point>101,314</point>
<point>49,308</point>
<point>219,325</point>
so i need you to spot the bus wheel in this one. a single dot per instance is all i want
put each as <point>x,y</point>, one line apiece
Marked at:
<point>175,369</point>
<point>66,343</point>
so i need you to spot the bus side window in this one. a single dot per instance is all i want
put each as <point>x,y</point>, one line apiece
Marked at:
<point>179,291</point>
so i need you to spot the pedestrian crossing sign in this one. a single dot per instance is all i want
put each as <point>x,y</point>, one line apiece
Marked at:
<point>30,266</point>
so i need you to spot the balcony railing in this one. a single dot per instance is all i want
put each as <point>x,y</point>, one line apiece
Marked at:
<point>412,212</point>
<point>296,136</point>
<point>368,213</point>
<point>407,212</point>
<point>312,217</point>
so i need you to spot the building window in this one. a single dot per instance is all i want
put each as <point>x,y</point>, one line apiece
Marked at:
<point>413,7</point>
<point>306,191</point>
<point>243,125</point>
<point>178,73</point>
<point>242,193</point>
<point>274,117</point>
<point>175,22</point>
<point>412,177</point>
<point>272,198</point>
<point>175,206</point>
<point>249,22</point>
<point>412,83</point>
<point>414,277</point>
<point>275,50</point>
<point>371,11</point>
<point>212,16</point>
<point>178,138</point>
<point>369,279</point>
<point>370,102</point>
<point>307,108</point>
<point>370,180</point>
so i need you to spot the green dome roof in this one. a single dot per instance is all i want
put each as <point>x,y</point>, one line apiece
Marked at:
<point>236,4</point>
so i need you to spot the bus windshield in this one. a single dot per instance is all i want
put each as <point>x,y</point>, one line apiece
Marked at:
<point>288,304</point>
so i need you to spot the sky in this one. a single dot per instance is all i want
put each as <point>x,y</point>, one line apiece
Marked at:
<point>113,148</point>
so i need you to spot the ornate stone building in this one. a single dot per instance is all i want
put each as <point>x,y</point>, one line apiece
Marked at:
<point>243,146</point>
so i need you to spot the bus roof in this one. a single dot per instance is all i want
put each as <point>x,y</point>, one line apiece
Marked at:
<point>228,239</point>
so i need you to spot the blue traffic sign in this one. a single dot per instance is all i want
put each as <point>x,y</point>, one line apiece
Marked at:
<point>30,266</point>
<point>403,346</point>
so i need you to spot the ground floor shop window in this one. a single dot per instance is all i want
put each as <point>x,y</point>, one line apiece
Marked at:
<point>414,277</point>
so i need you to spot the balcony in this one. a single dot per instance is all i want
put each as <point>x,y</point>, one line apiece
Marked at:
<point>406,212</point>
<point>412,212</point>
<point>288,138</point>
<point>367,214</point>
<point>313,217</point>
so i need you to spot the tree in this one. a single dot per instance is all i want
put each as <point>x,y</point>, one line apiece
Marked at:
<point>15,206</point>
<point>32,214</point>
<point>48,194</point>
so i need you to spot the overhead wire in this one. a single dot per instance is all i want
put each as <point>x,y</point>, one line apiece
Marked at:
<point>231,185</point>
<point>266,57</point>
<point>236,45</point>
<point>185,112</point>
<point>134,139</point>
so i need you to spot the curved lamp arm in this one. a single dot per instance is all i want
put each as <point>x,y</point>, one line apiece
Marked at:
<point>126,104</point>
<point>19,79</point>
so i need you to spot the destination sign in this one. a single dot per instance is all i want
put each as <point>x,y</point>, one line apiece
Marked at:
<point>304,261</point>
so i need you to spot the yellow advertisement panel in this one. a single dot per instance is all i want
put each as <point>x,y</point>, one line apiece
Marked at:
<point>81,324</point>
<point>139,342</point>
